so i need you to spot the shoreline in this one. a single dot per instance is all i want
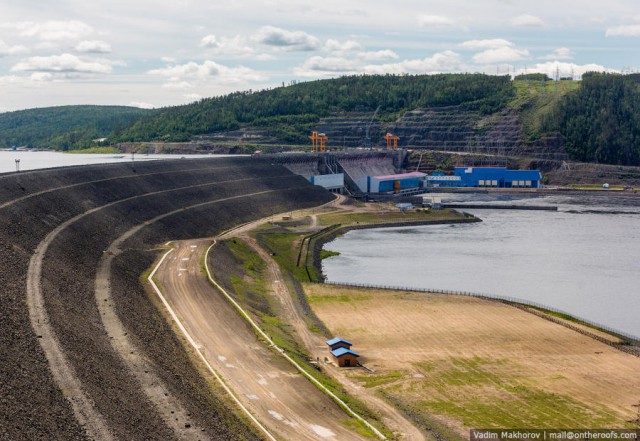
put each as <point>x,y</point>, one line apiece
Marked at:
<point>628,343</point>
<point>334,231</point>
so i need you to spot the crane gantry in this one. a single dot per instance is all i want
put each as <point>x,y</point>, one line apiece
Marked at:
<point>318,142</point>
<point>392,139</point>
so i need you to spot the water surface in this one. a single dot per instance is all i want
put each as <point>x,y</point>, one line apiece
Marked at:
<point>581,259</point>
<point>37,160</point>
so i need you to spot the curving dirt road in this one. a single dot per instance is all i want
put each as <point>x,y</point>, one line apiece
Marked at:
<point>288,404</point>
<point>315,345</point>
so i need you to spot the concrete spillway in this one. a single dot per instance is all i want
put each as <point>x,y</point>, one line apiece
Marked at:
<point>65,219</point>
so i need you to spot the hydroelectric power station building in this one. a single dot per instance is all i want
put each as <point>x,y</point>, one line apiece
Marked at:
<point>362,173</point>
<point>487,177</point>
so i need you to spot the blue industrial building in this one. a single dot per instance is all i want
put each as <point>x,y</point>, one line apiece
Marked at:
<point>497,177</point>
<point>398,183</point>
<point>438,180</point>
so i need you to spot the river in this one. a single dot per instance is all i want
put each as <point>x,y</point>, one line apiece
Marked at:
<point>45,159</point>
<point>583,259</point>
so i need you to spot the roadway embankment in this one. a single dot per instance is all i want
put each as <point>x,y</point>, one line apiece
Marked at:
<point>55,227</point>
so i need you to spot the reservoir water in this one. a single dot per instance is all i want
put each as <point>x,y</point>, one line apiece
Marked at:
<point>583,259</point>
<point>37,160</point>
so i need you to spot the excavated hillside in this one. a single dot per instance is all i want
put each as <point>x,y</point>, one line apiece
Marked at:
<point>452,129</point>
<point>69,235</point>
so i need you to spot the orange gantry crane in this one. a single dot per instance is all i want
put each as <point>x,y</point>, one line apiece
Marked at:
<point>390,138</point>
<point>318,142</point>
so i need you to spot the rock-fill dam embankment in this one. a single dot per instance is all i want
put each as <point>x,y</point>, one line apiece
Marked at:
<point>71,216</point>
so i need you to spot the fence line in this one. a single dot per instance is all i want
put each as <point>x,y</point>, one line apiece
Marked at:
<point>521,304</point>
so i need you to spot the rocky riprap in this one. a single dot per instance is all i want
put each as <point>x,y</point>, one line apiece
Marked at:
<point>32,204</point>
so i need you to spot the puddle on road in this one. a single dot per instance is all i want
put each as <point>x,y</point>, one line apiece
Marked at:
<point>322,431</point>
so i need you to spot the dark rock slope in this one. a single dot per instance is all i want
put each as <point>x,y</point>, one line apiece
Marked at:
<point>173,200</point>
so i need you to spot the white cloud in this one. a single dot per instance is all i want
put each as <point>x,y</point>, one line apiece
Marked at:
<point>6,50</point>
<point>346,46</point>
<point>561,53</point>
<point>141,105</point>
<point>318,64</point>
<point>234,47</point>
<point>42,76</point>
<point>496,50</point>
<point>565,69</point>
<point>52,30</point>
<point>446,61</point>
<point>347,50</point>
<point>183,76</point>
<point>209,41</point>
<point>65,63</point>
<point>191,70</point>
<point>624,31</point>
<point>527,20</point>
<point>434,21</point>
<point>500,55</point>
<point>10,79</point>
<point>385,54</point>
<point>289,40</point>
<point>486,44</point>
<point>93,46</point>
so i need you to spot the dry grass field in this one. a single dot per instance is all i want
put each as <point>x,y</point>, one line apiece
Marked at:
<point>471,363</point>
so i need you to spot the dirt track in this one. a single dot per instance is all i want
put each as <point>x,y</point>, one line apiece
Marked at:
<point>317,348</point>
<point>283,400</point>
<point>314,344</point>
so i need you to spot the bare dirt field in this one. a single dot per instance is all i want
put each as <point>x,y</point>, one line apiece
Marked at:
<point>465,363</point>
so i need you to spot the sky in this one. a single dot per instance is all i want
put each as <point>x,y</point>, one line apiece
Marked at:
<point>157,53</point>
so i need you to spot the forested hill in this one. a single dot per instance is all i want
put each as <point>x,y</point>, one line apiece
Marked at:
<point>596,119</point>
<point>290,111</point>
<point>600,122</point>
<point>65,127</point>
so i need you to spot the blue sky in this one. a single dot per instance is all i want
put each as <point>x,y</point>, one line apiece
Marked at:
<point>154,53</point>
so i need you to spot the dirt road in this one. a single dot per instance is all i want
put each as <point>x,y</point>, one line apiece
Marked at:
<point>317,348</point>
<point>314,343</point>
<point>288,404</point>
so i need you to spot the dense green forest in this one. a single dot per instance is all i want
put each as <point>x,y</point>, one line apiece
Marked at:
<point>291,111</point>
<point>600,122</point>
<point>598,118</point>
<point>65,127</point>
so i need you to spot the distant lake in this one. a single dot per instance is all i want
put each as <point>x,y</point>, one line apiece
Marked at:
<point>583,259</point>
<point>38,160</point>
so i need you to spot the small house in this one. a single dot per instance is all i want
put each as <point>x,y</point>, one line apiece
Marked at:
<point>345,357</point>
<point>338,342</point>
